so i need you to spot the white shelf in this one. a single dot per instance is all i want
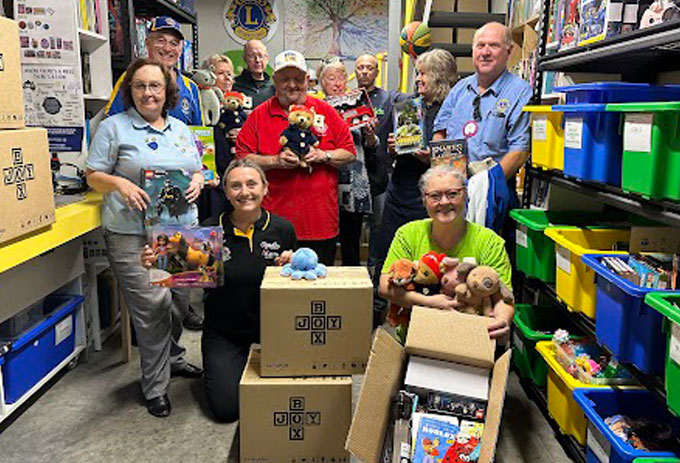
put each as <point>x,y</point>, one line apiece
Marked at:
<point>91,97</point>
<point>91,36</point>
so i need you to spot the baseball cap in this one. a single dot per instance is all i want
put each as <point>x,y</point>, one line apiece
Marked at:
<point>290,58</point>
<point>165,23</point>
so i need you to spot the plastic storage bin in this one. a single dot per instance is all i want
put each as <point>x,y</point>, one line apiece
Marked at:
<point>534,324</point>
<point>566,413</point>
<point>618,92</point>
<point>631,329</point>
<point>22,321</point>
<point>547,137</point>
<point>603,445</point>
<point>663,303</point>
<point>651,148</point>
<point>592,143</point>
<point>574,280</point>
<point>37,352</point>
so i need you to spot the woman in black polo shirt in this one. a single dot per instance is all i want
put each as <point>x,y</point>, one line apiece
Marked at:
<point>254,238</point>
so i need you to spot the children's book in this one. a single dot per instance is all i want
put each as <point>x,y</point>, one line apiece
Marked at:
<point>205,143</point>
<point>409,133</point>
<point>186,257</point>
<point>434,439</point>
<point>354,107</point>
<point>166,189</point>
<point>451,153</point>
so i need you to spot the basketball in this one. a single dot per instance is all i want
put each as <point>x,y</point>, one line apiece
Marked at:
<point>415,38</point>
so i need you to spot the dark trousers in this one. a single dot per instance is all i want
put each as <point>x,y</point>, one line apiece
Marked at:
<point>223,364</point>
<point>325,249</point>
<point>350,238</point>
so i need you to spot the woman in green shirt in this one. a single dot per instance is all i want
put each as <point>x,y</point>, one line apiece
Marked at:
<point>446,231</point>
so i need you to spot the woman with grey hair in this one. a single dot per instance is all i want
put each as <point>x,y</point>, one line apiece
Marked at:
<point>446,231</point>
<point>436,74</point>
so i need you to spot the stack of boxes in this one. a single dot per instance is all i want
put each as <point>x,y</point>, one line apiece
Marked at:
<point>26,199</point>
<point>296,390</point>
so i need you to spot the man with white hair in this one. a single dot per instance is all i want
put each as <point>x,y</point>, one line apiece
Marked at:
<point>254,80</point>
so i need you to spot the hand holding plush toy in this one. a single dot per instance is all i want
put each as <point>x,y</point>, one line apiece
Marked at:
<point>475,288</point>
<point>233,116</point>
<point>298,136</point>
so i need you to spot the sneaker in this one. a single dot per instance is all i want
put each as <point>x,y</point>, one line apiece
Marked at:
<point>193,321</point>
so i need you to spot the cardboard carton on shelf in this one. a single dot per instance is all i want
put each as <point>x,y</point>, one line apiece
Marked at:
<point>293,419</point>
<point>316,328</point>
<point>26,198</point>
<point>11,92</point>
<point>449,336</point>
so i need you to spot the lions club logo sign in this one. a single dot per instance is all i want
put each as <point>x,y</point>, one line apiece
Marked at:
<point>250,19</point>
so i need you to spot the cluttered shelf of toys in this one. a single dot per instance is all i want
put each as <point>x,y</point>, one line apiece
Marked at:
<point>613,36</point>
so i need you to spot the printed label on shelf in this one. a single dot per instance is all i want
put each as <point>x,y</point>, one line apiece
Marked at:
<point>539,127</point>
<point>63,330</point>
<point>517,340</point>
<point>563,258</point>
<point>637,132</point>
<point>630,13</point>
<point>521,236</point>
<point>573,131</point>
<point>674,346</point>
<point>615,11</point>
<point>598,444</point>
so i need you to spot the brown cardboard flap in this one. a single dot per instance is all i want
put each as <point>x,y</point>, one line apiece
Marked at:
<point>338,277</point>
<point>383,378</point>
<point>499,381</point>
<point>655,239</point>
<point>451,336</point>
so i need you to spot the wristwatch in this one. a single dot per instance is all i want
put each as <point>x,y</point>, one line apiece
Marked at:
<point>328,156</point>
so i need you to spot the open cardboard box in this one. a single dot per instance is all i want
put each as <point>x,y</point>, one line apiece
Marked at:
<point>450,336</point>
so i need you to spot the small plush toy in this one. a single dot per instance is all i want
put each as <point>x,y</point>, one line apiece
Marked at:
<point>233,116</point>
<point>304,264</point>
<point>481,289</point>
<point>298,136</point>
<point>211,96</point>
<point>402,272</point>
<point>429,273</point>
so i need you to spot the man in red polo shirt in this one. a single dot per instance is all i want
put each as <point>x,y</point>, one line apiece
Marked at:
<point>309,199</point>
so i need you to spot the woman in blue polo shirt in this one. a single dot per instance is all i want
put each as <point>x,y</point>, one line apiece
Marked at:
<point>142,137</point>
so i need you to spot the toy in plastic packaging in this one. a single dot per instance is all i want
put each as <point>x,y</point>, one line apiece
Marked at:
<point>186,257</point>
<point>409,134</point>
<point>570,29</point>
<point>166,189</point>
<point>205,144</point>
<point>596,15</point>
<point>354,107</point>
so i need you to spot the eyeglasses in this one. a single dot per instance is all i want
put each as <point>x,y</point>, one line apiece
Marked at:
<point>451,195</point>
<point>477,112</point>
<point>162,42</point>
<point>154,87</point>
<point>256,56</point>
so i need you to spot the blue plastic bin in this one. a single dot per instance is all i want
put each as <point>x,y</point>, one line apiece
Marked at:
<point>602,444</point>
<point>35,353</point>
<point>631,329</point>
<point>592,143</point>
<point>618,92</point>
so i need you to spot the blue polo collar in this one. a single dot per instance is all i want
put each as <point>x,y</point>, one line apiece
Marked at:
<point>495,88</point>
<point>138,122</point>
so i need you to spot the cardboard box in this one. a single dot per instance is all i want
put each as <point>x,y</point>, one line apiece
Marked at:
<point>26,198</point>
<point>451,336</point>
<point>11,92</point>
<point>316,328</point>
<point>293,419</point>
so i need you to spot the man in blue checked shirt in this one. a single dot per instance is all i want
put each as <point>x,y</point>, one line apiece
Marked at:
<point>164,44</point>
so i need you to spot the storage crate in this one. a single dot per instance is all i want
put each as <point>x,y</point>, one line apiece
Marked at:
<point>534,324</point>
<point>651,149</point>
<point>22,321</point>
<point>618,92</point>
<point>574,280</point>
<point>664,304</point>
<point>547,137</point>
<point>37,352</point>
<point>592,143</point>
<point>566,413</point>
<point>603,446</point>
<point>631,329</point>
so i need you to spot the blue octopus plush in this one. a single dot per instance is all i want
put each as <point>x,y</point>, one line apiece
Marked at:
<point>304,264</point>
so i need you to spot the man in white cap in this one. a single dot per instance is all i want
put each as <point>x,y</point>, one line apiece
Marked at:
<point>308,197</point>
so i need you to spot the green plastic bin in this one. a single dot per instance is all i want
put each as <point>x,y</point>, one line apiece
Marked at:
<point>534,324</point>
<point>651,148</point>
<point>663,303</point>
<point>535,252</point>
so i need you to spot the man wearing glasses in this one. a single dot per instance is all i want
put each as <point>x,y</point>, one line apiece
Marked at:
<point>164,44</point>
<point>254,81</point>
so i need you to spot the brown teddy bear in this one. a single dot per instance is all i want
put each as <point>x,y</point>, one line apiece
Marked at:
<point>298,136</point>
<point>477,288</point>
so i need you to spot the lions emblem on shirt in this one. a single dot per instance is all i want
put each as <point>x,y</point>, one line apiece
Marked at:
<point>226,254</point>
<point>185,106</point>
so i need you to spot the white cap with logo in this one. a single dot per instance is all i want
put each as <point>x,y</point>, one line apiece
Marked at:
<point>290,58</point>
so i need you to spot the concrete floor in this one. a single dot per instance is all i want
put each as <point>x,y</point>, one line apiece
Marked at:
<point>95,413</point>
